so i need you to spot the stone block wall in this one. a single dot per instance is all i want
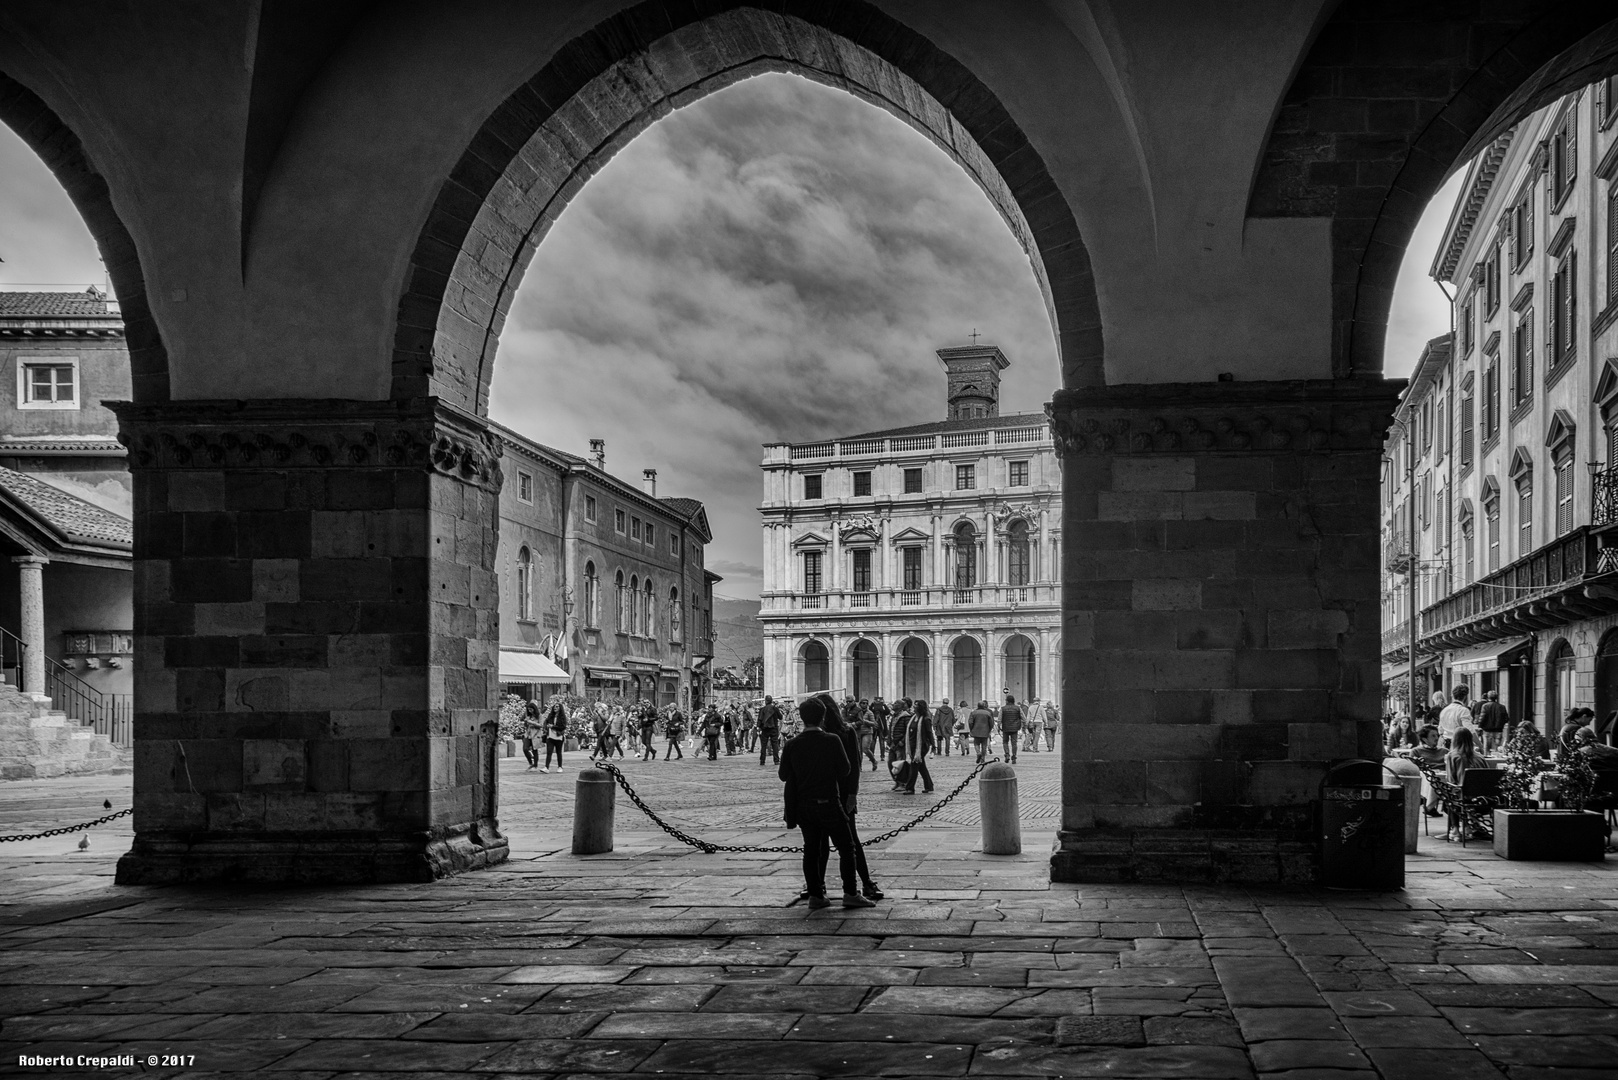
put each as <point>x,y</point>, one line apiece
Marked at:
<point>316,612</point>
<point>1221,626</point>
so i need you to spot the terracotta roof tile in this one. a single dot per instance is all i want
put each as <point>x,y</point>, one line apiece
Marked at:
<point>49,304</point>
<point>70,515</point>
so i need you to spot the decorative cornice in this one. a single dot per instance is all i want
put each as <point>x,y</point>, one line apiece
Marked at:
<point>1563,236</point>
<point>1524,295</point>
<point>1305,416</point>
<point>309,434</point>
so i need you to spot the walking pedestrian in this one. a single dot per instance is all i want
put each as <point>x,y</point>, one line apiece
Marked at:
<point>865,730</point>
<point>712,728</point>
<point>1010,728</point>
<point>1493,719</point>
<point>915,742</point>
<point>1455,715</point>
<point>555,730</point>
<point>1049,721</point>
<point>727,723</point>
<point>648,733</point>
<point>943,726</point>
<point>981,726</point>
<point>1031,725</point>
<point>674,732</point>
<point>769,731</point>
<point>815,768</point>
<point>880,712</point>
<point>531,734</point>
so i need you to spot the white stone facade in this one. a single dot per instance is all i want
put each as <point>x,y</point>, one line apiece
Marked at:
<point>922,561</point>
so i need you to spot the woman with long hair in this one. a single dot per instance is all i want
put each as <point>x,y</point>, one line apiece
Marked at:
<point>555,731</point>
<point>838,726</point>
<point>1463,755</point>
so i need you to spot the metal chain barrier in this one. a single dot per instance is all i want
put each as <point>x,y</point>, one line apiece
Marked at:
<point>710,849</point>
<point>70,828</point>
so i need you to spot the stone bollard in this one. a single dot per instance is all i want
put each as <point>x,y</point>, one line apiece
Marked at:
<point>997,802</point>
<point>1410,777</point>
<point>594,805</point>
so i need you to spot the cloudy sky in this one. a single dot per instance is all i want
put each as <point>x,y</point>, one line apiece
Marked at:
<point>775,262</point>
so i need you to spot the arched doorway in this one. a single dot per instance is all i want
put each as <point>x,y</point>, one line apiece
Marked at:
<point>1558,685</point>
<point>1021,667</point>
<point>816,667</point>
<point>966,670</point>
<point>1607,680</point>
<point>914,668</point>
<point>864,670</point>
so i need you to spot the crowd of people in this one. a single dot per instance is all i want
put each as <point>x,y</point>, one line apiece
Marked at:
<point>1454,734</point>
<point>904,731</point>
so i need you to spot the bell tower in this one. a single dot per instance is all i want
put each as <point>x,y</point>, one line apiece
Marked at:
<point>974,379</point>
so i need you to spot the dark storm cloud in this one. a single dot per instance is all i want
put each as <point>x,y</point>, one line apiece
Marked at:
<point>777,262</point>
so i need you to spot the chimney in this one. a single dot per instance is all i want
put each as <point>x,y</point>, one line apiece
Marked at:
<point>648,481</point>
<point>598,453</point>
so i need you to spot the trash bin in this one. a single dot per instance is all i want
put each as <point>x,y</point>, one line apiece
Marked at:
<point>1410,777</point>
<point>1362,829</point>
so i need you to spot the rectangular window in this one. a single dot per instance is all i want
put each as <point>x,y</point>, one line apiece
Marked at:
<point>912,568</point>
<point>965,477</point>
<point>651,534</point>
<point>525,487</point>
<point>1491,282</point>
<point>1426,505</point>
<point>1606,108</point>
<point>1522,228</point>
<point>618,521</point>
<point>1612,243</point>
<point>1466,428</point>
<point>1464,319</point>
<point>1522,358</point>
<point>811,487</point>
<point>1442,425</point>
<point>1491,398</point>
<point>1564,163</point>
<point>1525,517</point>
<point>1563,466</point>
<point>674,544</point>
<point>862,569</point>
<point>589,508</point>
<point>912,481</point>
<point>1492,510</point>
<point>1612,445</point>
<point>862,484</point>
<point>1469,569</point>
<point>48,385</point>
<point>634,528</point>
<point>811,571</point>
<point>1426,426</point>
<point>1562,318</point>
<point>1017,474</point>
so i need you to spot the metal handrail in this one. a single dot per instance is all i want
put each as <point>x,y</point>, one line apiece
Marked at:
<point>14,655</point>
<point>65,688</point>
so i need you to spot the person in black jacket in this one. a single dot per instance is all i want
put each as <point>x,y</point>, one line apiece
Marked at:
<point>769,731</point>
<point>839,725</point>
<point>815,768</point>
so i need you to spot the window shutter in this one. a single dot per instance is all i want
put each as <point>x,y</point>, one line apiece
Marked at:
<point>1612,243</point>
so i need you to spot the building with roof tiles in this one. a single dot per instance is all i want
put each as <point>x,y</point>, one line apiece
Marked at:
<point>66,610</point>
<point>1500,489</point>
<point>603,588</point>
<point>918,561</point>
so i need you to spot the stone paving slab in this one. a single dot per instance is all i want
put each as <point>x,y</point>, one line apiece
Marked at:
<point>661,961</point>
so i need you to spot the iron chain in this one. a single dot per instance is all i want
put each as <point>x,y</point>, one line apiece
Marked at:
<point>70,828</point>
<point>709,849</point>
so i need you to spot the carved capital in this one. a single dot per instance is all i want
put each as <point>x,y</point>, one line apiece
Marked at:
<point>309,434</point>
<point>1294,417</point>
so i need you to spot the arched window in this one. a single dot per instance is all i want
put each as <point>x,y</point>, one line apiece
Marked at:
<point>966,555</point>
<point>623,605</point>
<point>632,623</point>
<point>1019,570</point>
<point>592,596</point>
<point>913,668</point>
<point>649,616</point>
<point>816,668</point>
<point>966,670</point>
<point>865,669</point>
<point>674,615</point>
<point>525,585</point>
<point>1022,671</point>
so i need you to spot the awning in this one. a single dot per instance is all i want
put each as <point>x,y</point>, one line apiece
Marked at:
<point>530,667</point>
<point>1394,671</point>
<point>642,661</point>
<point>1496,654</point>
<point>607,674</point>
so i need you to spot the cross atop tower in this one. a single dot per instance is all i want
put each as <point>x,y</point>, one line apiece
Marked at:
<point>974,335</point>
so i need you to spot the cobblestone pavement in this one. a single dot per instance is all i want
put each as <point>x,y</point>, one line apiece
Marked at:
<point>656,960</point>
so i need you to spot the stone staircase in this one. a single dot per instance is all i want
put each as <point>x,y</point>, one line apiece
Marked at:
<point>38,741</point>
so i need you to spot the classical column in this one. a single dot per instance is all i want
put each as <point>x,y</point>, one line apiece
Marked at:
<point>31,601</point>
<point>317,638</point>
<point>834,572</point>
<point>838,674</point>
<point>1220,625</point>
<point>887,665</point>
<point>939,675</point>
<point>1042,672</point>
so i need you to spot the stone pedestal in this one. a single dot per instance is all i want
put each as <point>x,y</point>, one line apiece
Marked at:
<point>316,641</point>
<point>1221,630</point>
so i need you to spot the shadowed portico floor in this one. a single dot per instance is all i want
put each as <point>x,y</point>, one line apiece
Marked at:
<point>656,960</point>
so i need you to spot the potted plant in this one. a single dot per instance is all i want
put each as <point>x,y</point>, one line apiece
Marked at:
<point>1524,831</point>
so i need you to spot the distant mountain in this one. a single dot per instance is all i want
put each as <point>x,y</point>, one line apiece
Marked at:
<point>737,632</point>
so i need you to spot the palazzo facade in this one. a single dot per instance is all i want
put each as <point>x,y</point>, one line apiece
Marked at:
<point>920,561</point>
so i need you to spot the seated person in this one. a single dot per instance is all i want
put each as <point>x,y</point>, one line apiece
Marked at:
<point>1541,742</point>
<point>1429,752</point>
<point>1602,758</point>
<point>1463,755</point>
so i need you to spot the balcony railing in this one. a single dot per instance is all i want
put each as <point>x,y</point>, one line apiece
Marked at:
<point>910,444</point>
<point>809,601</point>
<point>1396,639</point>
<point>859,599</point>
<point>935,596</point>
<point>910,598</point>
<point>1605,511</point>
<point>1552,568</point>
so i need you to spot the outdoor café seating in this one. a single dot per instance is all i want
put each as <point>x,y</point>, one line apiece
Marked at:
<point>1470,804</point>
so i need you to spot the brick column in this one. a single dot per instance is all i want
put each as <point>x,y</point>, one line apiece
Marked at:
<point>1220,621</point>
<point>316,633</point>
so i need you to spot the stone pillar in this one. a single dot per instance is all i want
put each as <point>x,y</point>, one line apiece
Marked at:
<point>1221,633</point>
<point>938,676</point>
<point>1042,669</point>
<point>317,637</point>
<point>31,604</point>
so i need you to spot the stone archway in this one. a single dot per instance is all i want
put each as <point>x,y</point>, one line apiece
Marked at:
<point>545,141</point>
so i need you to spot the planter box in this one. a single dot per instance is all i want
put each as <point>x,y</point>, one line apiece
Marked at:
<point>511,748</point>
<point>1550,835</point>
<point>571,745</point>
